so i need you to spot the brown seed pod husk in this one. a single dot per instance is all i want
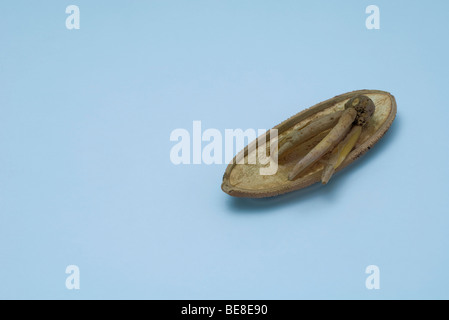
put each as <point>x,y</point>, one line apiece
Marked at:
<point>245,180</point>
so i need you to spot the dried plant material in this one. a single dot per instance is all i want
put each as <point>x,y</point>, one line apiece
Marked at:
<point>365,109</point>
<point>337,133</point>
<point>340,153</point>
<point>375,110</point>
<point>364,106</point>
<point>295,138</point>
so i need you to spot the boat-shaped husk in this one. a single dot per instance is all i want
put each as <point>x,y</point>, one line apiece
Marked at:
<point>245,180</point>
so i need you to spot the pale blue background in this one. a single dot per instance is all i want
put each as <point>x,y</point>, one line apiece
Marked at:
<point>86,178</point>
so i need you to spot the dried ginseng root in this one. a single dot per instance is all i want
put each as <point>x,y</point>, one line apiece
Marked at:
<point>312,129</point>
<point>340,153</point>
<point>358,112</point>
